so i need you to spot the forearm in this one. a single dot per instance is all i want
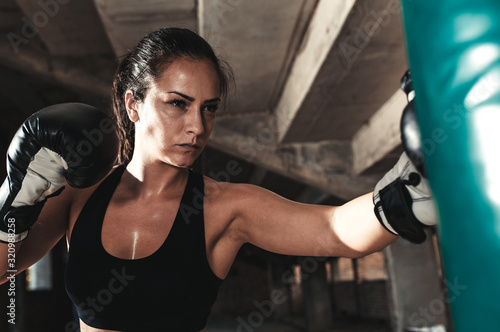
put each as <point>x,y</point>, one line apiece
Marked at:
<point>8,256</point>
<point>358,229</point>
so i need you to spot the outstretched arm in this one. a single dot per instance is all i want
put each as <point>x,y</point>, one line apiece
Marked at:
<point>286,227</point>
<point>403,205</point>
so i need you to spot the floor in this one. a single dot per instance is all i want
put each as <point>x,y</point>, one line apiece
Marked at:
<point>239,325</point>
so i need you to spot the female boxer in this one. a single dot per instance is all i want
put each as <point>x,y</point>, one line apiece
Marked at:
<point>150,244</point>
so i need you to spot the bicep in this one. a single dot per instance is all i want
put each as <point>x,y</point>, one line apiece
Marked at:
<point>279,225</point>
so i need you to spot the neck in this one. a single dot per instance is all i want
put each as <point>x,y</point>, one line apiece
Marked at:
<point>154,178</point>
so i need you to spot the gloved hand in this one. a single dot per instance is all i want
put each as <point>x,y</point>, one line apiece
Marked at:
<point>410,132</point>
<point>66,143</point>
<point>403,199</point>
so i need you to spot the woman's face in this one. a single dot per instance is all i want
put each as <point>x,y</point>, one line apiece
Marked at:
<point>176,118</point>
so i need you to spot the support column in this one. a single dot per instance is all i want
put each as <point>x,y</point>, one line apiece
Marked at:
<point>316,297</point>
<point>278,267</point>
<point>416,298</point>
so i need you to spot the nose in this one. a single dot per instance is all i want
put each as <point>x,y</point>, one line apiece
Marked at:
<point>195,123</point>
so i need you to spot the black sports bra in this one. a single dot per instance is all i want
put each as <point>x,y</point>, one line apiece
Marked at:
<point>171,290</point>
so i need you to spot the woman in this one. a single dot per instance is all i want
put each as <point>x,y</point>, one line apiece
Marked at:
<point>150,244</point>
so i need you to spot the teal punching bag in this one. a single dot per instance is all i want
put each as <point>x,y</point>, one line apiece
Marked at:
<point>454,55</point>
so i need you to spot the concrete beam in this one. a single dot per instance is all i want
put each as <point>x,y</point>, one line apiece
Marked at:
<point>127,21</point>
<point>299,31</point>
<point>324,165</point>
<point>10,17</point>
<point>322,33</point>
<point>67,28</point>
<point>92,79</point>
<point>338,82</point>
<point>258,38</point>
<point>311,195</point>
<point>380,136</point>
<point>257,175</point>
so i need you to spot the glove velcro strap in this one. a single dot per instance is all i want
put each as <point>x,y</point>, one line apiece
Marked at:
<point>395,203</point>
<point>17,222</point>
<point>8,235</point>
<point>24,216</point>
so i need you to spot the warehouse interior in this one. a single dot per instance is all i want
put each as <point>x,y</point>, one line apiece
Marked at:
<point>314,117</point>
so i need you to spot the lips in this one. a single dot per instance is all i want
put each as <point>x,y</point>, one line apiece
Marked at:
<point>189,146</point>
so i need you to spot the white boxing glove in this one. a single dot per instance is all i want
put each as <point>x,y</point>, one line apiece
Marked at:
<point>403,201</point>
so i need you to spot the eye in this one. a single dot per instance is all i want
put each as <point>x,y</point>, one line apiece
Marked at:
<point>178,103</point>
<point>211,108</point>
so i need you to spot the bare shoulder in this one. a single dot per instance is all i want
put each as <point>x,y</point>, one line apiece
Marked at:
<point>222,202</point>
<point>227,202</point>
<point>229,195</point>
<point>234,195</point>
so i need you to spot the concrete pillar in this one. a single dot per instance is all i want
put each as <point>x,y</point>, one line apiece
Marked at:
<point>39,275</point>
<point>335,275</point>
<point>416,295</point>
<point>355,282</point>
<point>277,269</point>
<point>316,296</point>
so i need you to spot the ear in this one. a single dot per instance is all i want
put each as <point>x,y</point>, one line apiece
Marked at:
<point>132,106</point>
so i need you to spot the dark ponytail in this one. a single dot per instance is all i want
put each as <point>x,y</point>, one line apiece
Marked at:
<point>146,62</point>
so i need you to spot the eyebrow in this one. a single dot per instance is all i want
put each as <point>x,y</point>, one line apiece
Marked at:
<point>192,99</point>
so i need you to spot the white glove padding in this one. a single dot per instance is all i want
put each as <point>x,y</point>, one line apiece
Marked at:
<point>44,176</point>
<point>403,201</point>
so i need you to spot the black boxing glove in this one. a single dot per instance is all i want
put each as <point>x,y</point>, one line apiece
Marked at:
<point>410,132</point>
<point>67,143</point>
<point>403,199</point>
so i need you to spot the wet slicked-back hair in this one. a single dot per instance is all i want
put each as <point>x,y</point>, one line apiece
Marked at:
<point>146,62</point>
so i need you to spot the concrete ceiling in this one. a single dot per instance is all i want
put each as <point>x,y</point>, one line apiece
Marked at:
<point>316,111</point>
